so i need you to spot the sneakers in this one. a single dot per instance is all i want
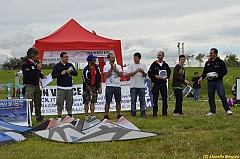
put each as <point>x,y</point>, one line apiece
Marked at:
<point>210,114</point>
<point>105,117</point>
<point>229,112</point>
<point>143,115</point>
<point>92,116</point>
<point>154,115</point>
<point>119,116</point>
<point>176,114</point>
<point>86,117</point>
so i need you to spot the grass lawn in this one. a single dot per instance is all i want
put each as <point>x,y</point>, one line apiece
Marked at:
<point>192,136</point>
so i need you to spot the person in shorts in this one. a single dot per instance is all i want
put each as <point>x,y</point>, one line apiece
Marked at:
<point>112,72</point>
<point>64,71</point>
<point>92,85</point>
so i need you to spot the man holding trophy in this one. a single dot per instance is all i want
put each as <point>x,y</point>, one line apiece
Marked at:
<point>159,72</point>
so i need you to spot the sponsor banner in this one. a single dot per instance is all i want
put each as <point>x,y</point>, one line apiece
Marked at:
<point>49,100</point>
<point>14,111</point>
<point>74,55</point>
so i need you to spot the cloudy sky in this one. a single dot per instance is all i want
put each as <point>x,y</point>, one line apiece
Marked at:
<point>143,26</point>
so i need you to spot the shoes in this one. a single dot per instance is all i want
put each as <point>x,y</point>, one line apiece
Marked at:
<point>40,119</point>
<point>119,116</point>
<point>229,112</point>
<point>143,115</point>
<point>67,119</point>
<point>92,116</point>
<point>210,114</point>
<point>165,115</point>
<point>105,116</point>
<point>176,114</point>
<point>86,117</point>
<point>133,114</point>
<point>154,115</point>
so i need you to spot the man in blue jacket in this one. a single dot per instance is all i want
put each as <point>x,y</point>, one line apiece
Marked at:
<point>64,71</point>
<point>92,84</point>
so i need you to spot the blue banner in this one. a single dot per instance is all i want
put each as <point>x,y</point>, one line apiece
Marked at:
<point>14,111</point>
<point>148,94</point>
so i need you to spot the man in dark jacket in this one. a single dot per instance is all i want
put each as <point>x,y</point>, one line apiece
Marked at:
<point>31,69</point>
<point>92,84</point>
<point>178,80</point>
<point>215,64</point>
<point>64,71</point>
<point>196,86</point>
<point>159,82</point>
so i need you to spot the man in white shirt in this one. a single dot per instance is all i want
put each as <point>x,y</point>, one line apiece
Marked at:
<point>112,73</point>
<point>137,72</point>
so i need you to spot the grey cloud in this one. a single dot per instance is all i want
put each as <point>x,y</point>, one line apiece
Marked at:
<point>18,40</point>
<point>5,43</point>
<point>151,54</point>
<point>127,46</point>
<point>19,52</point>
<point>227,52</point>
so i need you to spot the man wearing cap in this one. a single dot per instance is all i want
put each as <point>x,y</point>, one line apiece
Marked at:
<point>92,85</point>
<point>31,69</point>
<point>218,68</point>
<point>112,72</point>
<point>159,83</point>
<point>64,71</point>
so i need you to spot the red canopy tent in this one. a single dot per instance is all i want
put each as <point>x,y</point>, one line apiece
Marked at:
<point>72,36</point>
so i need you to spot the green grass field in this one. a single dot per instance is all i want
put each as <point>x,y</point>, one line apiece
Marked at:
<point>192,136</point>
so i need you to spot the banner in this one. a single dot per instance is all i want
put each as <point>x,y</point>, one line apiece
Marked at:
<point>75,56</point>
<point>49,100</point>
<point>14,111</point>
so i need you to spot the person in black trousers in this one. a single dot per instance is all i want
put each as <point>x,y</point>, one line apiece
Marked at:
<point>178,80</point>
<point>159,83</point>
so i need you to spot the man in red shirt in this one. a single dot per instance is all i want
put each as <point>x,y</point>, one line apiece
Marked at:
<point>92,84</point>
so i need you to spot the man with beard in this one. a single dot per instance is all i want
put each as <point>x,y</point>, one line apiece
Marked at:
<point>159,82</point>
<point>112,72</point>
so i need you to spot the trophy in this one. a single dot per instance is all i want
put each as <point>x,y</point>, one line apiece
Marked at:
<point>163,73</point>
<point>9,85</point>
<point>21,86</point>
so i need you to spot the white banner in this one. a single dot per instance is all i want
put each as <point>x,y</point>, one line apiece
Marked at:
<point>74,55</point>
<point>49,100</point>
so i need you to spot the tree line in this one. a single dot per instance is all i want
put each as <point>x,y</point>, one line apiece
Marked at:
<point>16,64</point>
<point>231,60</point>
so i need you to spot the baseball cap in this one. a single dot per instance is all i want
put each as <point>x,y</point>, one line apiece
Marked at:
<point>91,57</point>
